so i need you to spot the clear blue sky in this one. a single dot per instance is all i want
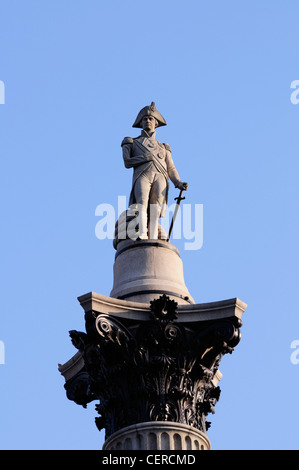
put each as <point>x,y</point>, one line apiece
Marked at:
<point>76,73</point>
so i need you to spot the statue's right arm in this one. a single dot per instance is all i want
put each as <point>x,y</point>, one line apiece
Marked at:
<point>127,150</point>
<point>131,160</point>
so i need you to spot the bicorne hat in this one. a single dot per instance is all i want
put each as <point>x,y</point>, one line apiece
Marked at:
<point>149,111</point>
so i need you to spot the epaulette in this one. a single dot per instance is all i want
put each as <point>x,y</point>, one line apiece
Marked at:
<point>127,140</point>
<point>167,147</point>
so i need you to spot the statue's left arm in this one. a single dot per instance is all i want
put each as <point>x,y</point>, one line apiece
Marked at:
<point>172,171</point>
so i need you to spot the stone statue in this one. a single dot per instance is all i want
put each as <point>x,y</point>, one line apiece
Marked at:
<point>153,166</point>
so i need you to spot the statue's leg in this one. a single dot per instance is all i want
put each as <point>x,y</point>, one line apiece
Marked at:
<point>156,199</point>
<point>141,192</point>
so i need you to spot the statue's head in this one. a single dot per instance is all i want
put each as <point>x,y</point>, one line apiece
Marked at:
<point>149,116</point>
<point>149,123</point>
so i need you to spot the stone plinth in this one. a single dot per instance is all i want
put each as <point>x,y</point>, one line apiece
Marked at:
<point>145,269</point>
<point>158,435</point>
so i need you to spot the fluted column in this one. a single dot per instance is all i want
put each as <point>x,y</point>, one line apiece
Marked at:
<point>158,435</point>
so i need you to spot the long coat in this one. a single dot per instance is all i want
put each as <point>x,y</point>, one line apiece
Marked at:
<point>143,153</point>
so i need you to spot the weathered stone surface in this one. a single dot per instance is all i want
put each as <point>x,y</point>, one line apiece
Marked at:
<point>146,269</point>
<point>148,363</point>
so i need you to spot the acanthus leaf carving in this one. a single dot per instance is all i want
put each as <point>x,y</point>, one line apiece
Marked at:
<point>157,369</point>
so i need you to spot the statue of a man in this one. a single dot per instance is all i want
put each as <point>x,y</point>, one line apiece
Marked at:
<point>153,166</point>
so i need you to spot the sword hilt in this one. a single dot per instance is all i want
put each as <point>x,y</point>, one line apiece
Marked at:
<point>180,198</point>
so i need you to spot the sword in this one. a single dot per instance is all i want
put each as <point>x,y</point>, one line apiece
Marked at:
<point>178,202</point>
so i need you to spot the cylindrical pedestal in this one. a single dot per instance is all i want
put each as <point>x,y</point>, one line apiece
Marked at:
<point>145,269</point>
<point>158,435</point>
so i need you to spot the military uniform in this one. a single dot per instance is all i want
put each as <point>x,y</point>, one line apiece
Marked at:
<point>153,166</point>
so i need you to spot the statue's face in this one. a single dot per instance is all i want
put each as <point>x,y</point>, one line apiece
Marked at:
<point>148,123</point>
